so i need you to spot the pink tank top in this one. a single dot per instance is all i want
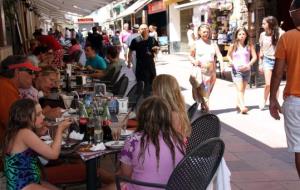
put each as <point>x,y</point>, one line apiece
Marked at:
<point>241,57</point>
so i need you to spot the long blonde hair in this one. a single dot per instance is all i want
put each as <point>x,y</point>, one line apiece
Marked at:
<point>167,87</point>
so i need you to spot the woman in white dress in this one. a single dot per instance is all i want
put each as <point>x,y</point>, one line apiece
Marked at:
<point>203,57</point>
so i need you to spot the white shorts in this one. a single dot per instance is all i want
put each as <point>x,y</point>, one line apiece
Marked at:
<point>291,112</point>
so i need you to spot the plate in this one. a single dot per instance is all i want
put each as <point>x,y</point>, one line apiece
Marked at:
<point>48,142</point>
<point>115,144</point>
<point>126,132</point>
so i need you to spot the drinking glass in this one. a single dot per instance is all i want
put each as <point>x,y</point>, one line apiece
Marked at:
<point>98,132</point>
<point>90,131</point>
<point>115,130</point>
<point>122,120</point>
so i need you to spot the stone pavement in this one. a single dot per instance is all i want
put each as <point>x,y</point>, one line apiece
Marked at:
<point>255,143</point>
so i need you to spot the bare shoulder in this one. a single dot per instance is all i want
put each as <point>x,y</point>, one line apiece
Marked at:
<point>26,132</point>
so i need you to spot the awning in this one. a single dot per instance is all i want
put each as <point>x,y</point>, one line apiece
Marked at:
<point>169,2</point>
<point>192,4</point>
<point>135,7</point>
<point>210,3</point>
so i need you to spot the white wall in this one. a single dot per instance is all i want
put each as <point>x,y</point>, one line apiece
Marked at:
<point>101,15</point>
<point>174,24</point>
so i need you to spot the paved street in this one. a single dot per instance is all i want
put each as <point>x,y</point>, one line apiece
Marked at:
<point>255,143</point>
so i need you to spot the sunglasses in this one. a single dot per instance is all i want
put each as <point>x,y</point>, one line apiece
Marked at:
<point>294,11</point>
<point>31,72</point>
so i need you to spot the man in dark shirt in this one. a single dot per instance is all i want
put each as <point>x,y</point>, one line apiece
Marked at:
<point>96,41</point>
<point>145,48</point>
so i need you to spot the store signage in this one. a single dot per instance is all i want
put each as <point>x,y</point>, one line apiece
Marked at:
<point>85,20</point>
<point>155,7</point>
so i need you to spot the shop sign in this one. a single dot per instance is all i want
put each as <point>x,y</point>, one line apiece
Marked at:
<point>85,20</point>
<point>155,7</point>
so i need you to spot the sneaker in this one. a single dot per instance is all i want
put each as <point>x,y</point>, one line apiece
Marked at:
<point>262,106</point>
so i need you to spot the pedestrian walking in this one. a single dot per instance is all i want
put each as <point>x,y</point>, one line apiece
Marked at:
<point>145,47</point>
<point>241,56</point>
<point>190,35</point>
<point>125,33</point>
<point>267,41</point>
<point>135,33</point>
<point>202,57</point>
<point>288,59</point>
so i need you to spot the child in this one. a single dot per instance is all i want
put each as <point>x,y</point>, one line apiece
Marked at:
<point>155,149</point>
<point>22,146</point>
<point>241,56</point>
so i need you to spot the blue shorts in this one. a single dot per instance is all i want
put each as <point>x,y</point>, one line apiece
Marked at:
<point>238,76</point>
<point>268,63</point>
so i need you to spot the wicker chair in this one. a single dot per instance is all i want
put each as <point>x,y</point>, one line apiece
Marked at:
<point>193,172</point>
<point>135,94</point>
<point>192,110</point>
<point>203,128</point>
<point>119,88</point>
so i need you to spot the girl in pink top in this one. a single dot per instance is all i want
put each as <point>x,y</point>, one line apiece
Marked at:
<point>239,59</point>
<point>153,151</point>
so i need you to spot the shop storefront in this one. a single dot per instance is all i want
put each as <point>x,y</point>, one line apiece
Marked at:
<point>157,16</point>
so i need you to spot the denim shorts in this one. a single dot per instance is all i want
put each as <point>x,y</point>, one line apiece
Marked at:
<point>268,63</point>
<point>238,76</point>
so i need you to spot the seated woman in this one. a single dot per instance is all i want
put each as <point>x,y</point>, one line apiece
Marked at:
<point>154,150</point>
<point>22,146</point>
<point>45,80</point>
<point>167,87</point>
<point>75,47</point>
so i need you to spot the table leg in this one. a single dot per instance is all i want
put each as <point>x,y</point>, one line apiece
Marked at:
<point>91,174</point>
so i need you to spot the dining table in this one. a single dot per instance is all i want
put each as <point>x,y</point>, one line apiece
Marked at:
<point>92,158</point>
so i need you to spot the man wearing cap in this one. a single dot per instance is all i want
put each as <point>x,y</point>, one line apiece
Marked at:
<point>288,57</point>
<point>135,33</point>
<point>15,72</point>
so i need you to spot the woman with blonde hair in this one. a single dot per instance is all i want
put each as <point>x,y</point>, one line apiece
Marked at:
<point>167,87</point>
<point>203,59</point>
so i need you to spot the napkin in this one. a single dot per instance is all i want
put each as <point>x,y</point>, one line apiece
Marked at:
<point>46,137</point>
<point>76,136</point>
<point>97,147</point>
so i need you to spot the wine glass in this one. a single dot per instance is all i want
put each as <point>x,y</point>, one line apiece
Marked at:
<point>115,130</point>
<point>67,101</point>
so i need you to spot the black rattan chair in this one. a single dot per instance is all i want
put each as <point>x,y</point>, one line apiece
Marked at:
<point>119,88</point>
<point>203,128</point>
<point>192,110</point>
<point>194,172</point>
<point>135,94</point>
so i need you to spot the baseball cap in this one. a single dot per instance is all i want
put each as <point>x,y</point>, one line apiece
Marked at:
<point>27,65</point>
<point>135,27</point>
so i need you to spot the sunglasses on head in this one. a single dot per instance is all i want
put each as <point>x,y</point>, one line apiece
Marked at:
<point>31,72</point>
